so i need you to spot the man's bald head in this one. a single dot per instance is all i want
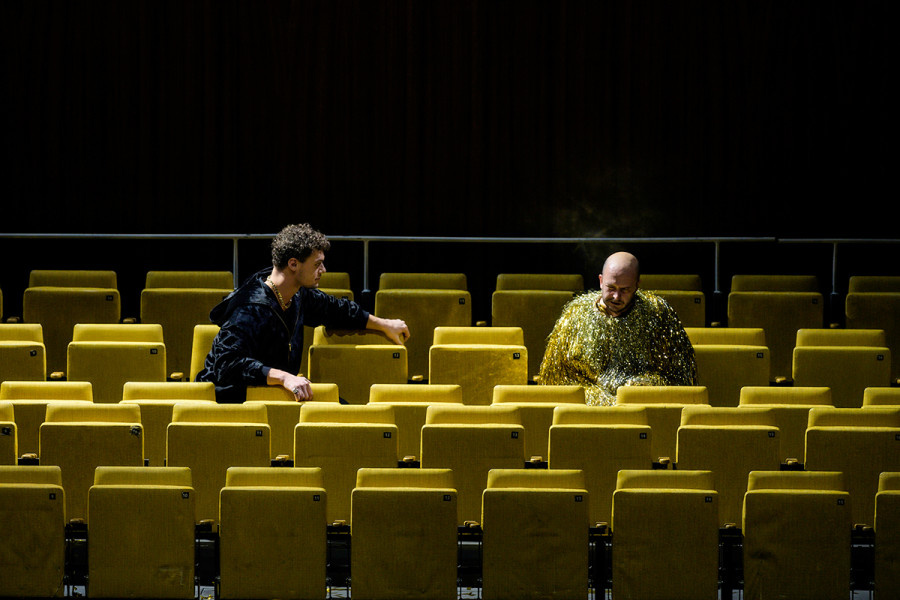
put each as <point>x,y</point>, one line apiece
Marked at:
<point>619,281</point>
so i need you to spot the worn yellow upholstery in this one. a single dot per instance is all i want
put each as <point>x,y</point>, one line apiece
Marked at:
<point>341,439</point>
<point>663,404</point>
<point>860,443</point>
<point>887,533</point>
<point>796,528</point>
<point>412,512</point>
<point>23,355</point>
<point>109,355</point>
<point>141,541</point>
<point>356,360</point>
<point>600,442</point>
<point>29,400</point>
<point>472,440</point>
<point>58,299</point>
<point>536,404</point>
<point>272,533</point>
<point>790,408</point>
<point>666,529</point>
<point>410,403</point>
<point>209,438</point>
<point>730,442</point>
<point>536,527</point>
<point>80,436</point>
<point>33,513</point>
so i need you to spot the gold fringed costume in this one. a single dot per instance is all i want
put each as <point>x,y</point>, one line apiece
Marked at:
<point>589,347</point>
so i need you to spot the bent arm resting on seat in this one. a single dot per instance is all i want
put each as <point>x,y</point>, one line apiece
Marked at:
<point>394,329</point>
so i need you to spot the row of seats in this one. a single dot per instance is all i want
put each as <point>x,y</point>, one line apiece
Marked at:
<point>778,304</point>
<point>478,358</point>
<point>428,426</point>
<point>534,536</point>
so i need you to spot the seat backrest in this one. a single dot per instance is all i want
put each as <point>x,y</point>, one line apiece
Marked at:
<point>117,332</point>
<point>507,336</point>
<point>269,477</point>
<point>841,337</point>
<point>549,394</point>
<point>889,481</point>
<point>796,480</point>
<point>665,479</point>
<point>72,278</point>
<point>557,479</point>
<point>435,281</point>
<point>567,282</point>
<point>404,478</point>
<point>590,415</point>
<point>322,392</point>
<point>748,336</point>
<point>219,413</point>
<point>872,396</point>
<point>662,394</point>
<point>26,332</point>
<point>855,417</point>
<point>169,390</point>
<point>806,396</point>
<point>874,283</point>
<point>131,476</point>
<point>84,412</point>
<point>335,280</point>
<point>328,337</point>
<point>190,279</point>
<point>46,390</point>
<point>201,344</point>
<point>31,474</point>
<point>405,393</point>
<point>671,282</point>
<point>774,283</point>
<point>716,416</point>
<point>326,412</point>
<point>472,415</point>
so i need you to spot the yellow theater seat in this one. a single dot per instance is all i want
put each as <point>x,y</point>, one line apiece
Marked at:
<point>663,404</point>
<point>341,439</point>
<point>141,541</point>
<point>600,442</point>
<point>536,404</point>
<point>156,400</point>
<point>730,442</point>
<point>201,344</point>
<point>9,451</point>
<point>424,301</point>
<point>410,403</point>
<point>797,530</point>
<point>683,292</point>
<point>666,529</point>
<point>472,440</point>
<point>283,411</point>
<point>790,408</point>
<point>110,355</point>
<point>30,399</point>
<point>335,284</point>
<point>478,358</point>
<point>873,301</point>
<point>412,512</point>
<point>80,436</point>
<point>209,438</point>
<point>58,299</point>
<point>887,534</point>
<point>861,444</point>
<point>179,300</point>
<point>33,513</point>
<point>536,528</point>
<point>23,356</point>
<point>354,360</point>
<point>873,396</point>
<point>272,526</point>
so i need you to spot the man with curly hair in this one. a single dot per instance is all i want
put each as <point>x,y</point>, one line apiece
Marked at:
<point>260,339</point>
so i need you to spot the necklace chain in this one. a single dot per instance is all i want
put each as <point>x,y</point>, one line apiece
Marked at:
<point>284,305</point>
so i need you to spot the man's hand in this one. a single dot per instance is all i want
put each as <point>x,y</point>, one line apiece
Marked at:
<point>297,385</point>
<point>393,329</point>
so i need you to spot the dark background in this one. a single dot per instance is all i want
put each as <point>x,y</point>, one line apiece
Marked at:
<point>530,118</point>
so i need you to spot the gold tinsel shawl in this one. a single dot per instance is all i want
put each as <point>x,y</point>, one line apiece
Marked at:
<point>646,346</point>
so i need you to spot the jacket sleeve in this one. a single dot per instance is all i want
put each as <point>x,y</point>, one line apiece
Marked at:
<point>320,308</point>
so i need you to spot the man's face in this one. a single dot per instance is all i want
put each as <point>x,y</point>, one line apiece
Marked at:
<point>617,289</point>
<point>310,270</point>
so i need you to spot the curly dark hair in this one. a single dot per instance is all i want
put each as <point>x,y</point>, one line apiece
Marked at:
<point>297,241</point>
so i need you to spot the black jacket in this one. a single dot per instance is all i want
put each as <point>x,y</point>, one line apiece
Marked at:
<point>256,335</point>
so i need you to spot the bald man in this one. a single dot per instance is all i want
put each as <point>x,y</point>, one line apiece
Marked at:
<point>620,335</point>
